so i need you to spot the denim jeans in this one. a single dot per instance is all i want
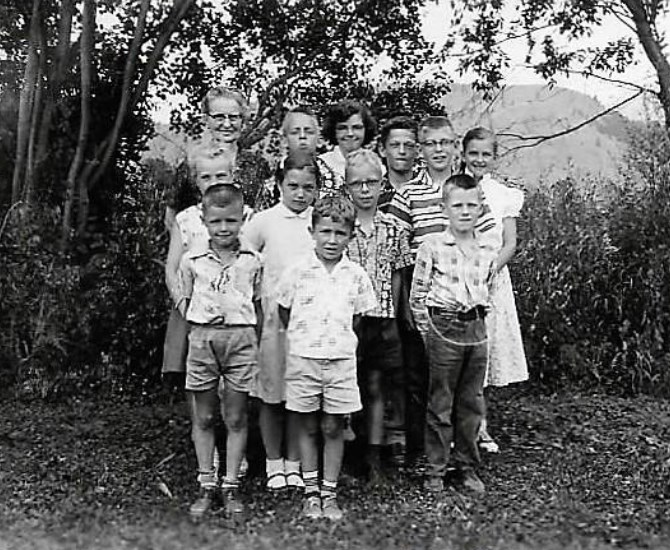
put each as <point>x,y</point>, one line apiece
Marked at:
<point>455,392</point>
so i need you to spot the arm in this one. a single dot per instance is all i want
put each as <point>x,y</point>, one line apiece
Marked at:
<point>175,252</point>
<point>509,242</point>
<point>184,288</point>
<point>421,283</point>
<point>258,308</point>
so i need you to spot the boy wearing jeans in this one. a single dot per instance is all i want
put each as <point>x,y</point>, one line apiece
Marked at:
<point>320,299</point>
<point>220,296</point>
<point>449,300</point>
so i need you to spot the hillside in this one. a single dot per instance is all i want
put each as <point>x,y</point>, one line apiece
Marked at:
<point>596,149</point>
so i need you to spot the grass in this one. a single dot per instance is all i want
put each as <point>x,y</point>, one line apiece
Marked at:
<point>576,471</point>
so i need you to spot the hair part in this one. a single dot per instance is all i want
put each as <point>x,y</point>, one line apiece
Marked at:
<point>336,207</point>
<point>460,181</point>
<point>222,195</point>
<point>363,157</point>
<point>341,112</point>
<point>480,133</point>
<point>223,92</point>
<point>398,123</point>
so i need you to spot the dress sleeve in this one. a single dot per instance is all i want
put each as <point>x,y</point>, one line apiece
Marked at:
<point>513,202</point>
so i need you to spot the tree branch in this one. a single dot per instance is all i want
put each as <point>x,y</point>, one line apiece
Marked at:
<point>538,139</point>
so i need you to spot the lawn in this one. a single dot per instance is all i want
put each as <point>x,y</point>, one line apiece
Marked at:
<point>576,471</point>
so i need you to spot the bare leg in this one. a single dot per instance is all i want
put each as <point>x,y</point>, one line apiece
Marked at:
<point>333,448</point>
<point>236,423</point>
<point>272,429</point>
<point>203,410</point>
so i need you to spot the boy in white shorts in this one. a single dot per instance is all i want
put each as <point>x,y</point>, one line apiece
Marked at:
<point>320,299</point>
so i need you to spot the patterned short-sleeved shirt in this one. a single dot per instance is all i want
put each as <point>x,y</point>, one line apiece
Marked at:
<point>381,252</point>
<point>220,292</point>
<point>323,305</point>
<point>446,277</point>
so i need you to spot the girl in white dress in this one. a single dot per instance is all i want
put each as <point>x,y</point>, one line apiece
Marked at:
<point>507,360</point>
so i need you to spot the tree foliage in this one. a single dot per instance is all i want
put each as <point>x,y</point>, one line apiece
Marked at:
<point>555,33</point>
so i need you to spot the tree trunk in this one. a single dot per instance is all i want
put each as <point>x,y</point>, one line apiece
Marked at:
<point>55,80</point>
<point>29,183</point>
<point>645,27</point>
<point>87,41</point>
<point>129,101</point>
<point>26,104</point>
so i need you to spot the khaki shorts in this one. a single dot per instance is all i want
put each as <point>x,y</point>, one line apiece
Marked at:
<point>321,384</point>
<point>221,352</point>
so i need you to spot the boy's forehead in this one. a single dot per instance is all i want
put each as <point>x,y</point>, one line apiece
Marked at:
<point>327,222</point>
<point>206,163</point>
<point>458,194</point>
<point>363,170</point>
<point>300,120</point>
<point>437,133</point>
<point>401,134</point>
<point>215,212</point>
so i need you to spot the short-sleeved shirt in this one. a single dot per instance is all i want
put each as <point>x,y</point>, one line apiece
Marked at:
<point>192,229</point>
<point>504,202</point>
<point>445,275</point>
<point>418,209</point>
<point>381,252</point>
<point>323,305</point>
<point>220,292</point>
<point>282,237</point>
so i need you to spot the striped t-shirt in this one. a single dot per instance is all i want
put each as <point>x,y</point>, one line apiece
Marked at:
<point>417,207</point>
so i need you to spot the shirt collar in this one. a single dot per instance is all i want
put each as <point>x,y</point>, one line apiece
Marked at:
<point>449,239</point>
<point>288,213</point>
<point>376,219</point>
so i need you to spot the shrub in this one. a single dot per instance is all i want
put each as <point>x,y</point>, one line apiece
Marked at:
<point>592,281</point>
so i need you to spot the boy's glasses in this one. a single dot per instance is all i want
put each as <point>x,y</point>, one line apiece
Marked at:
<point>233,118</point>
<point>443,143</point>
<point>358,185</point>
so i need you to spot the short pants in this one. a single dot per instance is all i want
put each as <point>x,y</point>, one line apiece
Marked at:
<point>321,384</point>
<point>214,352</point>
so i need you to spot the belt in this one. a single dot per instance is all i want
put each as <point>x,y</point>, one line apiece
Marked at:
<point>477,312</point>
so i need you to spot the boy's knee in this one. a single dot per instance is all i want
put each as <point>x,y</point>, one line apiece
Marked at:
<point>331,426</point>
<point>236,422</point>
<point>204,420</point>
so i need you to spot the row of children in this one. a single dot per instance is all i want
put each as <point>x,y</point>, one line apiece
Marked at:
<point>304,303</point>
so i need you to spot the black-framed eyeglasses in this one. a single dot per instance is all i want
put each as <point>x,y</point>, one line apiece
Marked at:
<point>358,185</point>
<point>230,117</point>
<point>443,143</point>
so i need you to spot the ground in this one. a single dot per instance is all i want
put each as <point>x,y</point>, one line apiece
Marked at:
<point>576,471</point>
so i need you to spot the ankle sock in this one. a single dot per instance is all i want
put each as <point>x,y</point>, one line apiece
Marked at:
<point>328,489</point>
<point>274,466</point>
<point>229,484</point>
<point>311,480</point>
<point>207,479</point>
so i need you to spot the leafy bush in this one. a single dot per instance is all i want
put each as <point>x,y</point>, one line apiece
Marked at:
<point>70,323</point>
<point>592,279</point>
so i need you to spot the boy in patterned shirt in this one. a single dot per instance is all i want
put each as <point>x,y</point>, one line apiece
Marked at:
<point>219,297</point>
<point>320,299</point>
<point>449,300</point>
<point>382,249</point>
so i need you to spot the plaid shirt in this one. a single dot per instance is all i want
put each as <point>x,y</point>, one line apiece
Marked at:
<point>380,253</point>
<point>323,305</point>
<point>446,277</point>
<point>219,293</point>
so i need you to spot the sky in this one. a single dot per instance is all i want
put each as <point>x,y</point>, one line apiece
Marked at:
<point>437,16</point>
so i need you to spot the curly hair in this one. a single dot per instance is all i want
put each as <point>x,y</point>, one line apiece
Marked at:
<point>341,112</point>
<point>227,93</point>
<point>398,123</point>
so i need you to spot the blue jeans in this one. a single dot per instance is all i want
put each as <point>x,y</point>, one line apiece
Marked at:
<point>455,392</point>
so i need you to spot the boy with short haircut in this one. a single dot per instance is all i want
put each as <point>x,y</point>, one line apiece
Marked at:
<point>398,146</point>
<point>449,300</point>
<point>382,249</point>
<point>219,297</point>
<point>301,131</point>
<point>319,300</point>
